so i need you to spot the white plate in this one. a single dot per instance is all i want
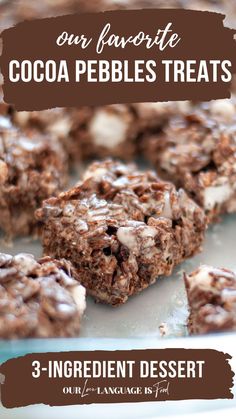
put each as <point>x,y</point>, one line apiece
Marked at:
<point>162,304</point>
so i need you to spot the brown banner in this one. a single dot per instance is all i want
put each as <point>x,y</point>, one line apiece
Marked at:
<point>70,378</point>
<point>118,57</point>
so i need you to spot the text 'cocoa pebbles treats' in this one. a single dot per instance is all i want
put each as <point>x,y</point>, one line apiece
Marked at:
<point>33,167</point>
<point>121,228</point>
<point>197,151</point>
<point>39,298</point>
<point>211,296</point>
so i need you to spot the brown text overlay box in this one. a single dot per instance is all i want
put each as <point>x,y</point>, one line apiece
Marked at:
<point>21,389</point>
<point>203,37</point>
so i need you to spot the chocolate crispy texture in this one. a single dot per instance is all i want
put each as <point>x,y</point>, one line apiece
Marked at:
<point>106,131</point>
<point>116,130</point>
<point>32,168</point>
<point>121,229</point>
<point>39,298</point>
<point>101,131</point>
<point>197,151</point>
<point>87,132</point>
<point>59,122</point>
<point>211,296</point>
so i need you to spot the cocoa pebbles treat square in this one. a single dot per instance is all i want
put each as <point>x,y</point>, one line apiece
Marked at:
<point>32,168</point>
<point>105,131</point>
<point>211,296</point>
<point>197,151</point>
<point>115,130</point>
<point>121,229</point>
<point>39,298</point>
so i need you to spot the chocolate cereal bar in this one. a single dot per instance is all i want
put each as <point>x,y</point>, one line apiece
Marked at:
<point>211,296</point>
<point>32,168</point>
<point>197,151</point>
<point>121,228</point>
<point>39,298</point>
